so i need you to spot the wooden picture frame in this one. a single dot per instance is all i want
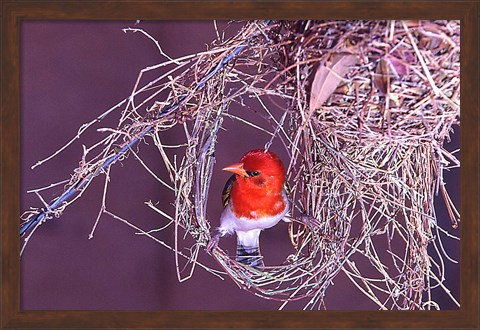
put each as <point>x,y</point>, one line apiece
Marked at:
<point>13,12</point>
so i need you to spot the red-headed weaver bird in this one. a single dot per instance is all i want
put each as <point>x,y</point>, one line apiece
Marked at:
<point>254,199</point>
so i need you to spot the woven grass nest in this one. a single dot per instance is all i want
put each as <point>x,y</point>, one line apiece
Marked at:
<point>363,109</point>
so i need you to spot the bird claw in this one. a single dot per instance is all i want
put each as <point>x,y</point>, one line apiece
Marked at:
<point>213,243</point>
<point>310,221</point>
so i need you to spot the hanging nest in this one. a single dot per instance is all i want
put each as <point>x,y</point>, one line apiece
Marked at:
<point>363,109</point>
<point>368,107</point>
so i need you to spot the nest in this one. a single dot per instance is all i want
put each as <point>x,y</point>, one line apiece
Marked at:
<point>363,109</point>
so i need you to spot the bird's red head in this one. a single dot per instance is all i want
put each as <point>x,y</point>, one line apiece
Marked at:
<point>259,169</point>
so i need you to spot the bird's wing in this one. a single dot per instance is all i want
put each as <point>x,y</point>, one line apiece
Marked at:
<point>287,188</point>
<point>226,190</point>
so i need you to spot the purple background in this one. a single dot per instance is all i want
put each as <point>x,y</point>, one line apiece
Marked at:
<point>70,73</point>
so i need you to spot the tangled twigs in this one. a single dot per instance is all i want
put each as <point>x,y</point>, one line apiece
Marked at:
<point>368,157</point>
<point>363,109</point>
<point>139,131</point>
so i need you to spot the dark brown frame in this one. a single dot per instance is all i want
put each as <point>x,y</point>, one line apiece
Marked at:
<point>13,12</point>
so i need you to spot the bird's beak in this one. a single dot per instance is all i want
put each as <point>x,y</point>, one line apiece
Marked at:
<point>236,168</point>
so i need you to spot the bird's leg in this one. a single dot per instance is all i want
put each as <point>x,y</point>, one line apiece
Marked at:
<point>213,243</point>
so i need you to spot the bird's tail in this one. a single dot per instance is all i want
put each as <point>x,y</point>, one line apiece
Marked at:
<point>250,256</point>
<point>248,250</point>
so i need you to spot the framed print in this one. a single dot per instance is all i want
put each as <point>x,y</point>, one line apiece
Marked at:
<point>150,152</point>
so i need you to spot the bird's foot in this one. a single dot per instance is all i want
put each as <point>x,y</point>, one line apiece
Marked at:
<point>213,243</point>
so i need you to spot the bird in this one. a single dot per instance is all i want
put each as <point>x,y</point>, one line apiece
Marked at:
<point>254,199</point>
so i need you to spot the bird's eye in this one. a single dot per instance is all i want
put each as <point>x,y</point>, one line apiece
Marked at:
<point>253,173</point>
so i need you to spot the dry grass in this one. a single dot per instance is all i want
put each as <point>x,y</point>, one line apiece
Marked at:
<point>367,107</point>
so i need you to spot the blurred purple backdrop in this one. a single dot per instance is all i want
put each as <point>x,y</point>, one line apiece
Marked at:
<point>70,73</point>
